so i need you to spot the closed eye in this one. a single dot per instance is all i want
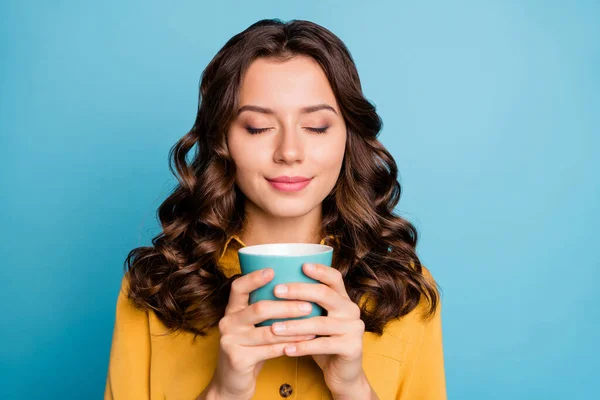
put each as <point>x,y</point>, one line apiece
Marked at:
<point>318,130</point>
<point>254,131</point>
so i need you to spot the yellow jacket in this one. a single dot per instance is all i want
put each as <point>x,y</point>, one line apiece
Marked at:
<point>406,362</point>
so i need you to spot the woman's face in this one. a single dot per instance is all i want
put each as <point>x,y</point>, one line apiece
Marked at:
<point>272,97</point>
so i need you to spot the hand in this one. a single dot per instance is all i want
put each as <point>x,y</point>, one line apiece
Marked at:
<point>339,352</point>
<point>243,347</point>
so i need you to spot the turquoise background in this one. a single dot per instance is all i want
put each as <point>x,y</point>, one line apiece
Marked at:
<point>491,109</point>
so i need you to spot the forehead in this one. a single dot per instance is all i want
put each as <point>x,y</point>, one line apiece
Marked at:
<point>292,84</point>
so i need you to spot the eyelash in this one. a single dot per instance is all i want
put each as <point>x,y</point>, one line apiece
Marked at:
<point>254,131</point>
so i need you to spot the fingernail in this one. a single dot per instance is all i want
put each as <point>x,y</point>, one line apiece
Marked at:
<point>281,289</point>
<point>310,267</point>
<point>291,348</point>
<point>266,273</point>
<point>305,306</point>
<point>278,327</point>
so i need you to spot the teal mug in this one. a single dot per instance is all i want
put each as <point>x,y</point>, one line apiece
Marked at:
<point>286,260</point>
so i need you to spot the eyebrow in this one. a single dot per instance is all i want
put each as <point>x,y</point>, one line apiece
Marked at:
<point>304,110</point>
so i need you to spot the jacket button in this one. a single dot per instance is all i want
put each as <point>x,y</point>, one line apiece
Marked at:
<point>285,390</point>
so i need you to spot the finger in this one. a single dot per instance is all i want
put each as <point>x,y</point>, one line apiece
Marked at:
<point>270,309</point>
<point>322,326</point>
<point>242,286</point>
<point>325,345</point>
<point>256,354</point>
<point>262,335</point>
<point>328,275</point>
<point>321,294</point>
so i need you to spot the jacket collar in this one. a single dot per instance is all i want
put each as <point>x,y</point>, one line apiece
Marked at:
<point>235,238</point>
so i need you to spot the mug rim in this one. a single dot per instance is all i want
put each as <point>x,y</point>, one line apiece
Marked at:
<point>314,248</point>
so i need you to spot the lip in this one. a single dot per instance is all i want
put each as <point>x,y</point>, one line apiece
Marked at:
<point>287,186</point>
<point>289,179</point>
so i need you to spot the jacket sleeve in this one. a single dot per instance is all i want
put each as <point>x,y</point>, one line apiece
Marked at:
<point>427,379</point>
<point>128,376</point>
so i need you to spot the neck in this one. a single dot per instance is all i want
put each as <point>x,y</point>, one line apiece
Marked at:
<point>261,228</point>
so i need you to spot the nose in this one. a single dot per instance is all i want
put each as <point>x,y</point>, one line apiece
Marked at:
<point>290,146</point>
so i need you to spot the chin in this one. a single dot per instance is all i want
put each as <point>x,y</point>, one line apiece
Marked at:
<point>286,210</point>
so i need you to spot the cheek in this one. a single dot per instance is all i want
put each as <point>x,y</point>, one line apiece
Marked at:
<point>250,165</point>
<point>330,157</point>
<point>244,156</point>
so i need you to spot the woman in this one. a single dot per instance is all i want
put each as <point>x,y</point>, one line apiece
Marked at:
<point>279,101</point>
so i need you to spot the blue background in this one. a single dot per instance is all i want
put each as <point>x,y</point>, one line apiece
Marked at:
<point>491,109</point>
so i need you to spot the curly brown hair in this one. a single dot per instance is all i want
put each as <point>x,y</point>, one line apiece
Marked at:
<point>179,278</point>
